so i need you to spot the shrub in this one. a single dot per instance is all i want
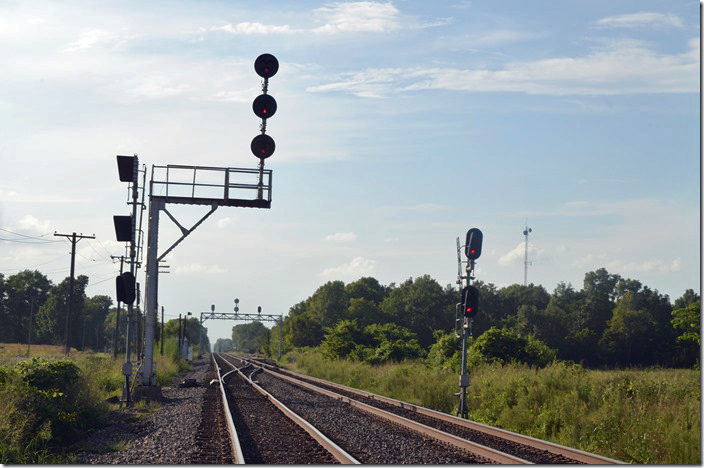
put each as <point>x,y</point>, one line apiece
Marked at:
<point>375,344</point>
<point>506,345</point>
<point>46,404</point>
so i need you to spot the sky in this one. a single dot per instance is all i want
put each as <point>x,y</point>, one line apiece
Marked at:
<point>400,126</point>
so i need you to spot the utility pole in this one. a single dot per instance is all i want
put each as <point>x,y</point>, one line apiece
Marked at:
<point>156,305</point>
<point>74,238</point>
<point>31,313</point>
<point>526,231</point>
<point>162,330</point>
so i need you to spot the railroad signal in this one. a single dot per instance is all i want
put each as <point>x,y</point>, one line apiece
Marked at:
<point>123,228</point>
<point>473,245</point>
<point>470,301</point>
<point>125,286</point>
<point>266,66</point>
<point>263,146</point>
<point>126,167</point>
<point>264,106</point>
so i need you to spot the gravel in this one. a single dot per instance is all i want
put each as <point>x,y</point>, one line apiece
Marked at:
<point>369,439</point>
<point>167,436</point>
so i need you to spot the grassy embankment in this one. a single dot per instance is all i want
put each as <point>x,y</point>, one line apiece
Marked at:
<point>646,416</point>
<point>47,402</point>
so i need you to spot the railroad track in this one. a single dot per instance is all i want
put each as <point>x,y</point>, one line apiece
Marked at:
<point>265,432</point>
<point>458,438</point>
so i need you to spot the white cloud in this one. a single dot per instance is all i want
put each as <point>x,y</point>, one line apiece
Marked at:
<point>32,225</point>
<point>255,29</point>
<point>517,254</point>
<point>642,19</point>
<point>647,266</point>
<point>419,208</point>
<point>358,17</point>
<point>334,18</point>
<point>225,222</point>
<point>355,268</point>
<point>199,269</point>
<point>89,39</point>
<point>501,36</point>
<point>341,237</point>
<point>617,67</point>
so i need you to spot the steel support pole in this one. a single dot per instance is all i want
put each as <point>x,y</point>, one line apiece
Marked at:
<point>162,330</point>
<point>200,337</point>
<point>464,377</point>
<point>150,303</point>
<point>116,335</point>
<point>281,327</point>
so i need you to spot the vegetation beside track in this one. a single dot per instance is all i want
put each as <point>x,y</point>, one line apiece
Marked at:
<point>644,416</point>
<point>49,401</point>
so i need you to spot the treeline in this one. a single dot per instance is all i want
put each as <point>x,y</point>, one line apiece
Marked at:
<point>29,301</point>
<point>611,322</point>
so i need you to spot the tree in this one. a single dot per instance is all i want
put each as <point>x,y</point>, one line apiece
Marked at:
<point>23,291</point>
<point>550,326</point>
<point>630,335</point>
<point>249,337</point>
<point>445,353</point>
<point>95,312</point>
<point>341,339</point>
<point>5,332</point>
<point>364,311</point>
<point>328,304</point>
<point>421,306</point>
<point>687,322</point>
<point>51,318</point>
<point>109,329</point>
<point>491,311</point>
<point>600,294</point>
<point>223,345</point>
<point>689,297</point>
<point>366,288</point>
<point>516,295</point>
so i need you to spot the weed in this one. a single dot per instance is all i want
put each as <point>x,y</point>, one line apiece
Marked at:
<point>648,416</point>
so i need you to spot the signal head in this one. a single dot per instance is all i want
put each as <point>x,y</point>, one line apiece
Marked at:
<point>264,106</point>
<point>266,65</point>
<point>470,301</point>
<point>473,245</point>
<point>263,146</point>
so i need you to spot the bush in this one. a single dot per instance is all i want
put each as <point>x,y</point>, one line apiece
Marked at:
<point>45,404</point>
<point>375,344</point>
<point>445,353</point>
<point>506,345</point>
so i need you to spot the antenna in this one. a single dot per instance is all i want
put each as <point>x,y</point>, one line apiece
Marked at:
<point>526,231</point>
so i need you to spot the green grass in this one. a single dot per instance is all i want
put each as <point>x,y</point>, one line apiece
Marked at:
<point>647,416</point>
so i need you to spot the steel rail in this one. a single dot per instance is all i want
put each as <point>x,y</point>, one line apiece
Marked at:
<point>477,449</point>
<point>336,451</point>
<point>569,452</point>
<point>235,447</point>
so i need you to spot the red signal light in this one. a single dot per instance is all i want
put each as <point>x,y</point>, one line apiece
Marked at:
<point>470,301</point>
<point>264,106</point>
<point>263,146</point>
<point>266,65</point>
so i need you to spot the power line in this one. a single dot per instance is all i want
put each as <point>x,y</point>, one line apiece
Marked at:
<point>28,237</point>
<point>29,241</point>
